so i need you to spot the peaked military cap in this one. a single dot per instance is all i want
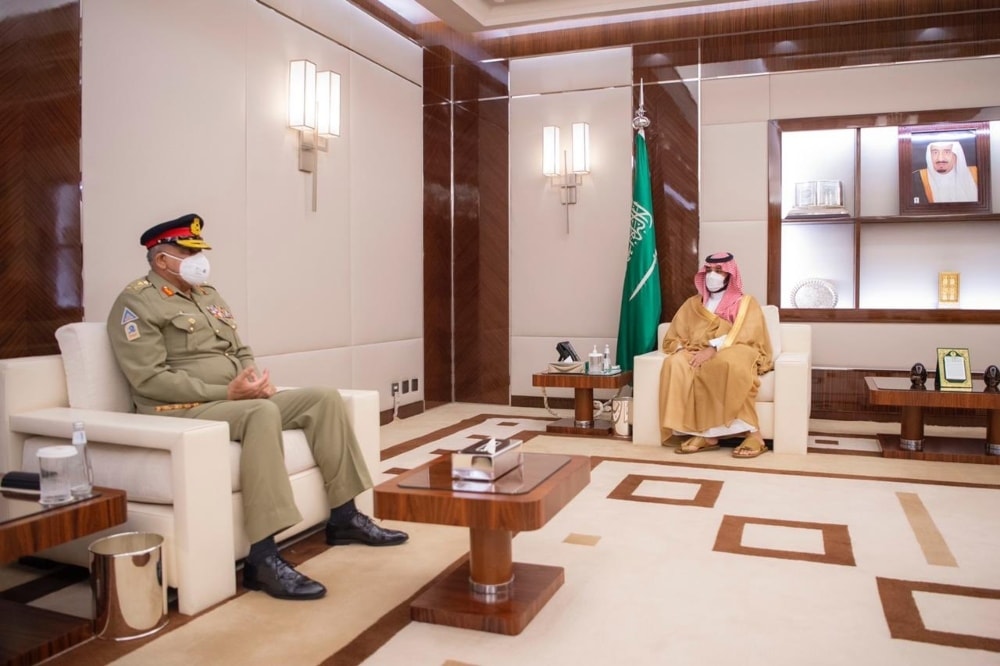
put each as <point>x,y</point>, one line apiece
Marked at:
<point>184,231</point>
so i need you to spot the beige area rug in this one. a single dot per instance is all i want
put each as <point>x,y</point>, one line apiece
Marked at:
<point>699,559</point>
<point>684,562</point>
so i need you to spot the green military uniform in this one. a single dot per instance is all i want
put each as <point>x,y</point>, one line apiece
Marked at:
<point>179,352</point>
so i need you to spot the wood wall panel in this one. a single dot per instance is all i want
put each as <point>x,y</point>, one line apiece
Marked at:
<point>672,142</point>
<point>41,260</point>
<point>437,254</point>
<point>466,234</point>
<point>481,267</point>
<point>879,19</point>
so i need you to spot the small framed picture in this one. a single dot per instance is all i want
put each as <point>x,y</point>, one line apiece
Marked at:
<point>944,168</point>
<point>953,373</point>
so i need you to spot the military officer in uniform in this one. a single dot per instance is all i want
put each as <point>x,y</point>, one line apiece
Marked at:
<point>176,341</point>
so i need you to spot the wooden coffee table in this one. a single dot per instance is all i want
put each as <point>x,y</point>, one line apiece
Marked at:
<point>583,386</point>
<point>28,634</point>
<point>489,592</point>
<point>911,443</point>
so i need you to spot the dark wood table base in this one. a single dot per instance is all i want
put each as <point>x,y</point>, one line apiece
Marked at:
<point>448,601</point>
<point>601,427</point>
<point>31,635</point>
<point>941,449</point>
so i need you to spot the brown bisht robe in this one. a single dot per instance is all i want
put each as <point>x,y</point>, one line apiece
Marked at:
<point>724,389</point>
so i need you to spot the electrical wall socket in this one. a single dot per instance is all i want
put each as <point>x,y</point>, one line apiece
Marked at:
<point>413,384</point>
<point>406,386</point>
<point>395,388</point>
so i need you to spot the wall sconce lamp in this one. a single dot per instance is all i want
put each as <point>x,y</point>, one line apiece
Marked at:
<point>313,110</point>
<point>566,179</point>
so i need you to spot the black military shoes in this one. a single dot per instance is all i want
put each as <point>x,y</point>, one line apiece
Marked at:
<point>362,529</point>
<point>277,577</point>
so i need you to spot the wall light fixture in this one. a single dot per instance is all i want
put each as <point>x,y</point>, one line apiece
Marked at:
<point>313,110</point>
<point>558,167</point>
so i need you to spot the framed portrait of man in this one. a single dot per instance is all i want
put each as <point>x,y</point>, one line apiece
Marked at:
<point>944,168</point>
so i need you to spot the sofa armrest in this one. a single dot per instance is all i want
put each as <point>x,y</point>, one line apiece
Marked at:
<point>362,411</point>
<point>31,382</point>
<point>202,541</point>
<point>646,398</point>
<point>796,338</point>
<point>792,402</point>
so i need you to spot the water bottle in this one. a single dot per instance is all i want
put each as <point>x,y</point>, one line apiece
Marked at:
<point>607,358</point>
<point>81,474</point>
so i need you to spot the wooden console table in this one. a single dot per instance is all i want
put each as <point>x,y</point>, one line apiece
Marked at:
<point>583,386</point>
<point>28,634</point>
<point>897,391</point>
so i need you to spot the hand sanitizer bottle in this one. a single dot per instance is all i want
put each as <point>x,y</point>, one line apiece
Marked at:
<point>607,358</point>
<point>595,362</point>
<point>81,476</point>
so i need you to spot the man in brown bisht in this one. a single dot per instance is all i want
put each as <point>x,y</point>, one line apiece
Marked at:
<point>717,347</point>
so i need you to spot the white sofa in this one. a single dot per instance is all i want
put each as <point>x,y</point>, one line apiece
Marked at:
<point>783,401</point>
<point>180,475</point>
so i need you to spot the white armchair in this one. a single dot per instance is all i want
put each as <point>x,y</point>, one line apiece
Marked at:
<point>783,401</point>
<point>180,475</point>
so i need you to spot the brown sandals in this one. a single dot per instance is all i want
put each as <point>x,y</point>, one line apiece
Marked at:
<point>697,445</point>
<point>751,447</point>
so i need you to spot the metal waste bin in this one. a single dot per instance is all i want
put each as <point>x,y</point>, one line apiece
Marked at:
<point>621,416</point>
<point>130,593</point>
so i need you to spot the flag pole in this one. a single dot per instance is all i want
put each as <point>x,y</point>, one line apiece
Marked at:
<point>641,122</point>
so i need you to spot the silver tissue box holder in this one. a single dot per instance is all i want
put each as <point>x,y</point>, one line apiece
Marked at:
<point>486,460</point>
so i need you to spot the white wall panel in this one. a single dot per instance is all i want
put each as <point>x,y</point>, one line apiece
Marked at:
<point>350,27</point>
<point>735,100</point>
<point>377,366</point>
<point>563,283</point>
<point>298,261</point>
<point>163,135</point>
<point>325,367</point>
<point>386,202</point>
<point>909,87</point>
<point>580,70</point>
<point>374,40</point>
<point>899,346</point>
<point>734,172</point>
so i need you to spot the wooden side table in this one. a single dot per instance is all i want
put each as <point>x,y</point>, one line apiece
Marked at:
<point>583,386</point>
<point>911,443</point>
<point>28,634</point>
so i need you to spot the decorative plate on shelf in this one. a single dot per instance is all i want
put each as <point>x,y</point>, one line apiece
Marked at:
<point>814,293</point>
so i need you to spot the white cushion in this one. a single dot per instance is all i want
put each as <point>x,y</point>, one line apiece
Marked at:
<point>145,474</point>
<point>93,379</point>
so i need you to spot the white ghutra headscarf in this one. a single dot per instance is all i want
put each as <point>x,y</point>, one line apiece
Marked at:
<point>956,185</point>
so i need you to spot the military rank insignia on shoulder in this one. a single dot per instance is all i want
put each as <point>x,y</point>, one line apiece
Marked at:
<point>139,285</point>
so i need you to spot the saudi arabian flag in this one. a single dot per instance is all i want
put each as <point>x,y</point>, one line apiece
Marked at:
<point>641,308</point>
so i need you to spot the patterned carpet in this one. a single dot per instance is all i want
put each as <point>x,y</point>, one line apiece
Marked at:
<point>821,559</point>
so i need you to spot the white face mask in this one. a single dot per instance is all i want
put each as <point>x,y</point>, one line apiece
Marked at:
<point>715,281</point>
<point>194,269</point>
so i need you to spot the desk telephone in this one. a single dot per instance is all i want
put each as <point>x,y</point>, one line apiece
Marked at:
<point>566,351</point>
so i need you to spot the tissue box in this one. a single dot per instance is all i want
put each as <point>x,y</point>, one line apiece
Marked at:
<point>567,367</point>
<point>483,462</point>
